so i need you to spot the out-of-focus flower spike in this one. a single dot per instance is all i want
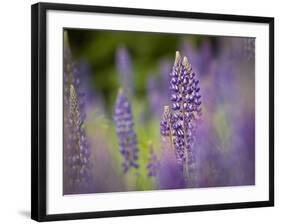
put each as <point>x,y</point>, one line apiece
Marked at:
<point>77,166</point>
<point>153,163</point>
<point>78,172</point>
<point>125,70</point>
<point>125,131</point>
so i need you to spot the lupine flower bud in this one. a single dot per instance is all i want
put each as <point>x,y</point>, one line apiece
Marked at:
<point>125,131</point>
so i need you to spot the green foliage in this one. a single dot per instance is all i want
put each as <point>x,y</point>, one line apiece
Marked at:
<point>99,48</point>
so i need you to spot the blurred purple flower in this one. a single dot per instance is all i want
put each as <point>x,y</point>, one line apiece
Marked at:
<point>77,167</point>
<point>170,175</point>
<point>245,149</point>
<point>157,87</point>
<point>153,163</point>
<point>223,82</point>
<point>125,131</point>
<point>230,162</point>
<point>78,171</point>
<point>238,48</point>
<point>165,68</point>
<point>224,144</point>
<point>200,58</point>
<point>249,48</point>
<point>211,163</point>
<point>153,94</point>
<point>92,99</point>
<point>124,67</point>
<point>206,56</point>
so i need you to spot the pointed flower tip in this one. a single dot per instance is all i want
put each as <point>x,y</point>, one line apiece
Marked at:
<point>186,63</point>
<point>72,91</point>
<point>166,108</point>
<point>178,57</point>
<point>120,90</point>
<point>71,87</point>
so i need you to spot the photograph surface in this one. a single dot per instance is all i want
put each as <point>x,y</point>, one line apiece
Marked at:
<point>157,111</point>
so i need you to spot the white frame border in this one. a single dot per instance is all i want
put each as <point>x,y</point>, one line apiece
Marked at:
<point>56,203</point>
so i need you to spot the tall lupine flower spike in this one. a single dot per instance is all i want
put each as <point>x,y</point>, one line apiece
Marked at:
<point>152,165</point>
<point>185,100</point>
<point>79,173</point>
<point>77,166</point>
<point>125,131</point>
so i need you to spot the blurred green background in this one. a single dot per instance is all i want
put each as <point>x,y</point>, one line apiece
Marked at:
<point>145,49</point>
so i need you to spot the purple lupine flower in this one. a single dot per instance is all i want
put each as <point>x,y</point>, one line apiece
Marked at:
<point>77,166</point>
<point>78,171</point>
<point>169,173</point>
<point>124,67</point>
<point>185,100</point>
<point>125,131</point>
<point>153,163</point>
<point>92,98</point>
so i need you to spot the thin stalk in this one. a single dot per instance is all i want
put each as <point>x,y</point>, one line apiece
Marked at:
<point>185,167</point>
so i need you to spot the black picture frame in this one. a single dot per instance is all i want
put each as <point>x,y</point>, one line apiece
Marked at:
<point>39,118</point>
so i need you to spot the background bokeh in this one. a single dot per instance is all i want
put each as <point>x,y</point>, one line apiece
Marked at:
<point>140,64</point>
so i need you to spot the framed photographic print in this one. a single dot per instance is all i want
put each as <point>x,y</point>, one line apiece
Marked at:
<point>138,111</point>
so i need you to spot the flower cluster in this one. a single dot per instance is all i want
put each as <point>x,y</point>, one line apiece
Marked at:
<point>178,123</point>
<point>125,131</point>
